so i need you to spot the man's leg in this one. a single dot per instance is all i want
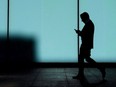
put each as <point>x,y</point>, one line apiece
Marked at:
<point>93,62</point>
<point>81,65</point>
<point>80,74</point>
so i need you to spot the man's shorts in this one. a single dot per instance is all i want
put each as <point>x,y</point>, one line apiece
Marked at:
<point>85,51</point>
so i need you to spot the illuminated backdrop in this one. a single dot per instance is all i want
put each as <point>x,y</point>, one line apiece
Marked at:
<point>51,23</point>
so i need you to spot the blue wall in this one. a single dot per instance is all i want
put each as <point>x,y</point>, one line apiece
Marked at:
<point>52,22</point>
<point>3,17</point>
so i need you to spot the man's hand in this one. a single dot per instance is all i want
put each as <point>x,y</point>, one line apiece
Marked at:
<point>77,31</point>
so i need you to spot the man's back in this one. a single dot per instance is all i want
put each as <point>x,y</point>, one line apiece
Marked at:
<point>87,34</point>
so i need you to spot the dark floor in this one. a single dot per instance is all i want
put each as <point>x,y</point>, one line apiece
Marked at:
<point>57,77</point>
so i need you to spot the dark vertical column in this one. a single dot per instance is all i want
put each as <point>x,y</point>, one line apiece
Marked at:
<point>7,42</point>
<point>8,5</point>
<point>78,25</point>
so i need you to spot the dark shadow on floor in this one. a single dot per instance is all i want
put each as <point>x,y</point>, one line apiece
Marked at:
<point>85,83</point>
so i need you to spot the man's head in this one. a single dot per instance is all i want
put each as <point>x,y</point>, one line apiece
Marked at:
<point>85,17</point>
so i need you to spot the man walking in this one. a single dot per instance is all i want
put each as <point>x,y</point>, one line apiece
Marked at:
<point>87,37</point>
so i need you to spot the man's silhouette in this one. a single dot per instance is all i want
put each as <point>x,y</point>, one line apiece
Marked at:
<point>87,36</point>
